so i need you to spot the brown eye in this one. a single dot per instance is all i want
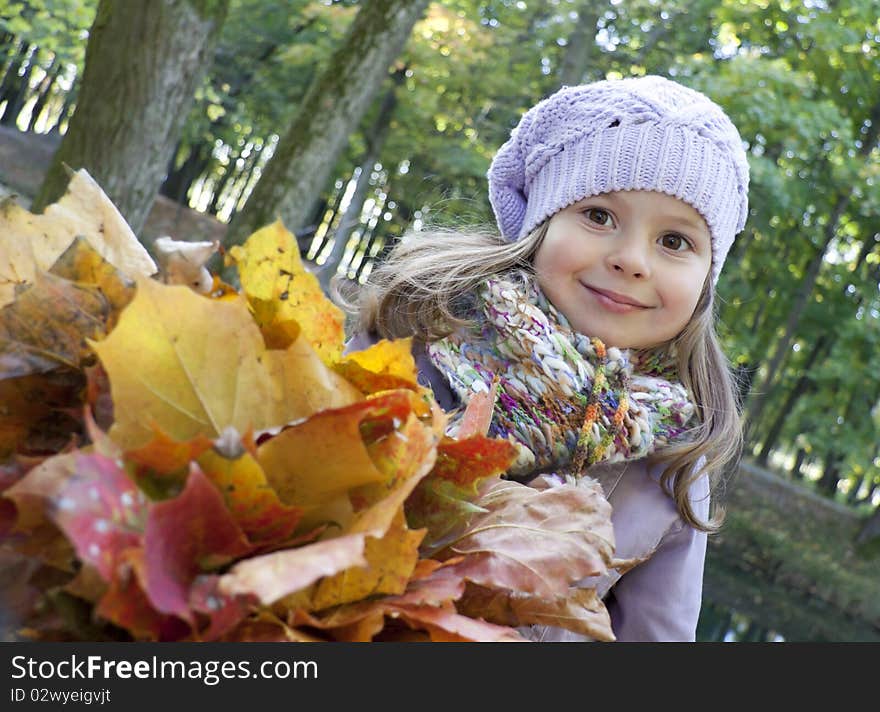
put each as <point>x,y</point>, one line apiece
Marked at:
<point>598,216</point>
<point>674,242</point>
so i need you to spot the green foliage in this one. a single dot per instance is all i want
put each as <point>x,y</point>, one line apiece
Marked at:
<point>57,26</point>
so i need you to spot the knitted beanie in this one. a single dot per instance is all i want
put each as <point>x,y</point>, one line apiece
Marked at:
<point>644,133</point>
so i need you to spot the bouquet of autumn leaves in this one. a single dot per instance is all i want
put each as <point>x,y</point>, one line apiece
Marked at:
<point>181,460</point>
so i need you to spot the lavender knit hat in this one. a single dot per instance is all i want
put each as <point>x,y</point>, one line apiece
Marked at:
<point>645,133</point>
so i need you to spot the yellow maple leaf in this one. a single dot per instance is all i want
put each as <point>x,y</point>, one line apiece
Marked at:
<point>249,497</point>
<point>31,243</point>
<point>194,366</point>
<point>312,462</point>
<point>391,560</point>
<point>386,365</point>
<point>280,290</point>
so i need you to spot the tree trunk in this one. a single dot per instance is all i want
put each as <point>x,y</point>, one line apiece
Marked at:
<point>231,170</point>
<point>18,89</point>
<point>827,484</point>
<point>297,173</point>
<point>320,216</point>
<point>800,388</point>
<point>143,63</point>
<point>245,176</point>
<point>43,92</point>
<point>10,75</point>
<point>831,474</point>
<point>375,140</point>
<point>869,496</point>
<point>178,182</point>
<point>7,40</point>
<point>306,235</point>
<point>759,397</point>
<point>799,457</point>
<point>69,102</point>
<point>581,53</point>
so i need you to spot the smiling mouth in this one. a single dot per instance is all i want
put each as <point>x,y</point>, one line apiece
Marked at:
<point>616,302</point>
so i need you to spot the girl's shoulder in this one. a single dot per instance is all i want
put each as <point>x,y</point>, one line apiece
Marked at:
<point>633,487</point>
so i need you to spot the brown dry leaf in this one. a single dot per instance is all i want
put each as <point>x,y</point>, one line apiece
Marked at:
<point>46,327</point>
<point>448,626</point>
<point>82,264</point>
<point>33,493</point>
<point>38,415</point>
<point>44,357</point>
<point>365,620</point>
<point>537,542</point>
<point>390,563</point>
<point>580,610</point>
<point>32,496</point>
<point>430,593</point>
<point>87,584</point>
<point>279,290</point>
<point>273,576</point>
<point>31,243</point>
<point>193,366</point>
<point>264,627</point>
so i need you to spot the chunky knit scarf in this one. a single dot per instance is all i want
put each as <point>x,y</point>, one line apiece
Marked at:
<point>564,398</point>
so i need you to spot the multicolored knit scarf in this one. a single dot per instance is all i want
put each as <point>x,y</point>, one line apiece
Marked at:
<point>565,398</point>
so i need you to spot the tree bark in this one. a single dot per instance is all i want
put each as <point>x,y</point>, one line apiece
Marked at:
<point>10,73</point>
<point>759,397</point>
<point>230,170</point>
<point>143,63</point>
<point>69,101</point>
<point>245,175</point>
<point>178,182</point>
<point>802,386</point>
<point>376,136</point>
<point>18,89</point>
<point>799,458</point>
<point>43,91</point>
<point>292,182</point>
<point>581,52</point>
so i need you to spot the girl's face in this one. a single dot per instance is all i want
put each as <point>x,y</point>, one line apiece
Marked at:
<point>627,267</point>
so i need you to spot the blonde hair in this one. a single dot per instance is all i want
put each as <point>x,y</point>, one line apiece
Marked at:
<point>425,288</point>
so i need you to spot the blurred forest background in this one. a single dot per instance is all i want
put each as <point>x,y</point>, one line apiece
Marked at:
<point>357,121</point>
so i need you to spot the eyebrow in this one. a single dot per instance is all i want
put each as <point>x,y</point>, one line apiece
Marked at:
<point>687,222</point>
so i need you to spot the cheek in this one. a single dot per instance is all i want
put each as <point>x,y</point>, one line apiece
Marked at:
<point>556,254</point>
<point>682,302</point>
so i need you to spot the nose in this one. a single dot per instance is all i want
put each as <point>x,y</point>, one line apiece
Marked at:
<point>630,256</point>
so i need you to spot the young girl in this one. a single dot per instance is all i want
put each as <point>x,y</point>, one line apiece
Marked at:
<point>617,203</point>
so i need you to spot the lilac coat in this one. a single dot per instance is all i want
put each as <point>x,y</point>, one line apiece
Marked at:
<point>659,599</point>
